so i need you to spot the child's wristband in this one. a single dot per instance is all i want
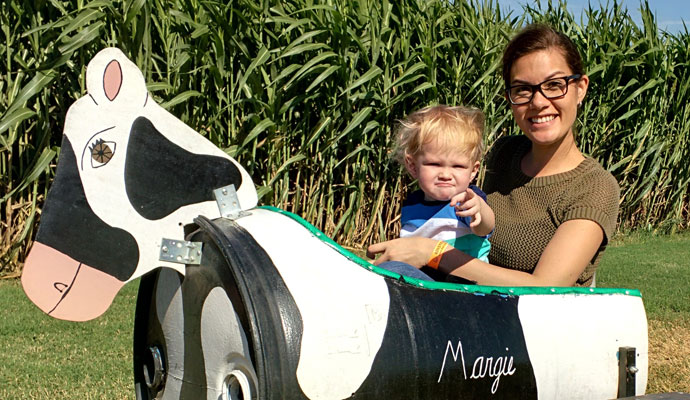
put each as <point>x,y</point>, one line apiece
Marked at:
<point>437,254</point>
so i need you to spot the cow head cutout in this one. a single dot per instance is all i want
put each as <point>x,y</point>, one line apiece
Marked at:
<point>129,175</point>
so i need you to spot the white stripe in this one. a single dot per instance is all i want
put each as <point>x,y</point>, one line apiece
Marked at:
<point>344,307</point>
<point>573,342</point>
<point>440,229</point>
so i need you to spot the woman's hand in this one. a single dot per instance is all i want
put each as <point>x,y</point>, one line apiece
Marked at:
<point>412,250</point>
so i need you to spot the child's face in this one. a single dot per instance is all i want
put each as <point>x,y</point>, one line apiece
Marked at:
<point>441,174</point>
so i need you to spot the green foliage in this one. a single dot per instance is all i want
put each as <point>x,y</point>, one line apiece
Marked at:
<point>306,94</point>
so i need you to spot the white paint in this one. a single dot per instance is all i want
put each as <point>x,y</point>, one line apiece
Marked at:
<point>224,345</point>
<point>170,315</point>
<point>344,307</point>
<point>95,117</point>
<point>573,341</point>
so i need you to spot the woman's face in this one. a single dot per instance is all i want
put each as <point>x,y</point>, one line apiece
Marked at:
<point>546,122</point>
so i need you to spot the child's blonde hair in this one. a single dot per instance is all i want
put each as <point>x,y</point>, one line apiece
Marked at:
<point>453,128</point>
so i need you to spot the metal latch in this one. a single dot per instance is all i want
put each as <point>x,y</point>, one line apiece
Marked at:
<point>627,369</point>
<point>229,203</point>
<point>180,251</point>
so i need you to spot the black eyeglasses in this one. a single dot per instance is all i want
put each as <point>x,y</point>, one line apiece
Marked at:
<point>551,89</point>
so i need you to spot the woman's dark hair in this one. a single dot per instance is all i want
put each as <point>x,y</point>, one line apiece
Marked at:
<point>537,37</point>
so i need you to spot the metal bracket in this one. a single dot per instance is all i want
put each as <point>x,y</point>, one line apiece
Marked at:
<point>154,370</point>
<point>229,203</point>
<point>626,371</point>
<point>180,251</point>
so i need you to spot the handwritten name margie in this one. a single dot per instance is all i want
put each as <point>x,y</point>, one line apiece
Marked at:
<point>482,366</point>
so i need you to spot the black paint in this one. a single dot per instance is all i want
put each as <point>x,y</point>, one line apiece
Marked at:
<point>70,226</point>
<point>147,333</point>
<point>420,325</point>
<point>422,322</point>
<point>161,177</point>
<point>234,261</point>
<point>270,313</point>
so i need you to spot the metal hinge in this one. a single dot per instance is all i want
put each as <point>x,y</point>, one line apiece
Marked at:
<point>180,251</point>
<point>229,203</point>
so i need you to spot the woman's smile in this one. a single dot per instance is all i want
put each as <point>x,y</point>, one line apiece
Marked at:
<point>542,119</point>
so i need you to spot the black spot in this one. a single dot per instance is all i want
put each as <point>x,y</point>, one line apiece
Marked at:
<point>161,177</point>
<point>70,226</point>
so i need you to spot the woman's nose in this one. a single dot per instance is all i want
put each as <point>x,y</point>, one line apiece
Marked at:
<point>538,100</point>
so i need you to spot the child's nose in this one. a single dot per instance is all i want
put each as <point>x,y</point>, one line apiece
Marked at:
<point>445,173</point>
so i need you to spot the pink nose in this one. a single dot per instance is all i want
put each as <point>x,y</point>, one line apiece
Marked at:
<point>65,288</point>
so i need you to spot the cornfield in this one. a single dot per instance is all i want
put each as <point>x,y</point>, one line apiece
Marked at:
<point>305,94</point>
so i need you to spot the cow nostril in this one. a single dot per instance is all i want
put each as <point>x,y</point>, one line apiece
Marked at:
<point>59,286</point>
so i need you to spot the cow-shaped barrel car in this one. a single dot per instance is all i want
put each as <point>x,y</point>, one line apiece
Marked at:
<point>239,301</point>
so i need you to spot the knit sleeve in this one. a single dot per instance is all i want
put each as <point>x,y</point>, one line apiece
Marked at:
<point>596,199</point>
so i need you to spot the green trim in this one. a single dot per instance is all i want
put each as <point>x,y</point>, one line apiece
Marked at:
<point>477,289</point>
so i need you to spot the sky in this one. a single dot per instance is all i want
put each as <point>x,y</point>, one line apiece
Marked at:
<point>670,13</point>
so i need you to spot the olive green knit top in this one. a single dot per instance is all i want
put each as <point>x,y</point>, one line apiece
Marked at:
<point>529,210</point>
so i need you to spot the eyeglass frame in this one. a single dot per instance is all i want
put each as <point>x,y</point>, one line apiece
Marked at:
<point>536,87</point>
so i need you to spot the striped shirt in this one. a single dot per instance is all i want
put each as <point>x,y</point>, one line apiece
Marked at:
<point>437,220</point>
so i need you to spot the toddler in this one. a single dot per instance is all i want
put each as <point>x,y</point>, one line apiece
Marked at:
<point>441,146</point>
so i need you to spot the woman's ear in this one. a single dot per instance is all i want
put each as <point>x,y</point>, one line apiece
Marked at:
<point>582,84</point>
<point>411,166</point>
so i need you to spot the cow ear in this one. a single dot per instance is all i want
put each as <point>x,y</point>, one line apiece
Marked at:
<point>111,78</point>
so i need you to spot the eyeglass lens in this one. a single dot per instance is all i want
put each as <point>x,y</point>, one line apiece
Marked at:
<point>551,89</point>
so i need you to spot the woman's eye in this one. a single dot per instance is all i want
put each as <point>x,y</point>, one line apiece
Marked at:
<point>101,152</point>
<point>554,85</point>
<point>522,91</point>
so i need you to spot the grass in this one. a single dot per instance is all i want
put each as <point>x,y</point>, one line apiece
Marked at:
<point>660,267</point>
<point>41,357</point>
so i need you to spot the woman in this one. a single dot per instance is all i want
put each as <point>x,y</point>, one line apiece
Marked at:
<point>555,208</point>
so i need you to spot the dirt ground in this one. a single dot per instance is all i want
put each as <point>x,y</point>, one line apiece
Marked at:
<point>669,357</point>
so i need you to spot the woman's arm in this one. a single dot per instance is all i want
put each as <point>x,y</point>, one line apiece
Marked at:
<point>566,256</point>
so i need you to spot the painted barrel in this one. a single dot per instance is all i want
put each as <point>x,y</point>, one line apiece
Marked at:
<point>278,310</point>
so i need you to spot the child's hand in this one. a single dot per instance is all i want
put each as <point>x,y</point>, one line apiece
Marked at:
<point>468,204</point>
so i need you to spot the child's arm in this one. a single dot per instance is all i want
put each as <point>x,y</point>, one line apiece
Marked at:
<point>469,204</point>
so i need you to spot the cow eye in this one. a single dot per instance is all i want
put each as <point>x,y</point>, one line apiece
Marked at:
<point>101,152</point>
